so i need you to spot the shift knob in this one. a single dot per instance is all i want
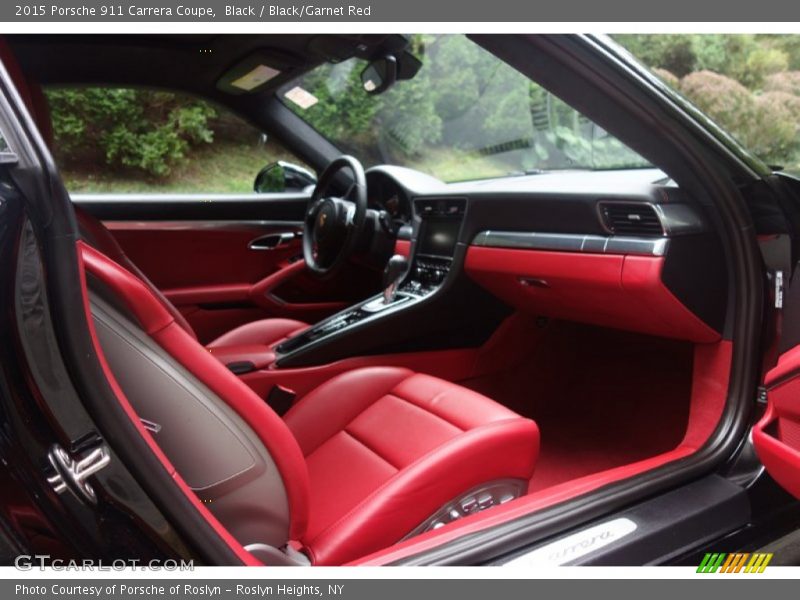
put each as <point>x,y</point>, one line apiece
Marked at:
<point>392,275</point>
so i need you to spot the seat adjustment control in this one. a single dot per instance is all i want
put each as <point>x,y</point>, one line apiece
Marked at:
<point>474,501</point>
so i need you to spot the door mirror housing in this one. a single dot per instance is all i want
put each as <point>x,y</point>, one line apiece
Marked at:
<point>282,176</point>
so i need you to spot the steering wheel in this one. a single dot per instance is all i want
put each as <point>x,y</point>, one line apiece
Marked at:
<point>333,224</point>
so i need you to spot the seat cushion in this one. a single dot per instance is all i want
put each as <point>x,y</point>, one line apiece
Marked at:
<point>266,332</point>
<point>386,448</point>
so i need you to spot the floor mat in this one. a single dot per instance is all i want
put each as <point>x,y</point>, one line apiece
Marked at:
<point>602,398</point>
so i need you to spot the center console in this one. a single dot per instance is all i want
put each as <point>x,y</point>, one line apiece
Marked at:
<point>437,224</point>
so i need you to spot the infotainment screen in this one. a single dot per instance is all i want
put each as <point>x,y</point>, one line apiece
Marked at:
<point>438,237</point>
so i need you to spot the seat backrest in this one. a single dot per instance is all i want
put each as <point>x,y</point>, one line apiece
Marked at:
<point>94,233</point>
<point>90,228</point>
<point>232,449</point>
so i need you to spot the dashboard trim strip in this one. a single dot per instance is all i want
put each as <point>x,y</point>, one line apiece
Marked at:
<point>568,242</point>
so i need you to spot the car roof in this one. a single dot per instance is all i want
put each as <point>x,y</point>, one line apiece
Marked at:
<point>192,63</point>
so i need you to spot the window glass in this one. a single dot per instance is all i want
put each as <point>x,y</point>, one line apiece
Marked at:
<point>465,115</point>
<point>748,84</point>
<point>111,140</point>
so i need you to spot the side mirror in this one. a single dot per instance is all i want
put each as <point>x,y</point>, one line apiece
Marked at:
<point>379,75</point>
<point>283,176</point>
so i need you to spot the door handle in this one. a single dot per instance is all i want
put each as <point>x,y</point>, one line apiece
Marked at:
<point>273,241</point>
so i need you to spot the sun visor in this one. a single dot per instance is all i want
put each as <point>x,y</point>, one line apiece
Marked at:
<point>256,71</point>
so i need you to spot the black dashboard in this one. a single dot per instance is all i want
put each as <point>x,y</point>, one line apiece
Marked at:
<point>387,195</point>
<point>622,249</point>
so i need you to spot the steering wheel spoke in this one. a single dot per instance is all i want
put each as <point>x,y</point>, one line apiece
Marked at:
<point>313,209</point>
<point>333,224</point>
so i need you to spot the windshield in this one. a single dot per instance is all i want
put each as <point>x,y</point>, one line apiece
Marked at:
<point>465,115</point>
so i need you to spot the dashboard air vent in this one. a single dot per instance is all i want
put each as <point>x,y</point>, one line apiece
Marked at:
<point>630,218</point>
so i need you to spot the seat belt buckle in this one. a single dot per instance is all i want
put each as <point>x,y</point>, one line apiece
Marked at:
<point>280,399</point>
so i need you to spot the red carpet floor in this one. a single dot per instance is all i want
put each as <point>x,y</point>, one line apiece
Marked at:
<point>602,398</point>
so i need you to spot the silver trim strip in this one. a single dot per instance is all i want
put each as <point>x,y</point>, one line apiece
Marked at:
<point>185,224</point>
<point>573,547</point>
<point>156,198</point>
<point>569,242</point>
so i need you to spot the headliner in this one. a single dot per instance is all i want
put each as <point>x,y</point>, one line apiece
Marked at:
<point>193,63</point>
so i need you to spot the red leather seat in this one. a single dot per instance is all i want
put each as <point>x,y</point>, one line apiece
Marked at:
<point>264,332</point>
<point>365,459</point>
<point>386,447</point>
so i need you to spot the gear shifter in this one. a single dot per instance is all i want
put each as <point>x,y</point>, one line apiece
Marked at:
<point>392,275</point>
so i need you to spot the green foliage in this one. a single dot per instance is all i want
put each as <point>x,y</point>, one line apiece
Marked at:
<point>464,107</point>
<point>723,98</point>
<point>669,78</point>
<point>675,53</point>
<point>339,111</point>
<point>789,44</point>
<point>760,64</point>
<point>271,180</point>
<point>465,114</point>
<point>788,81</point>
<point>749,84</point>
<point>125,129</point>
<point>748,59</point>
<point>773,135</point>
<point>683,54</point>
<point>766,123</point>
<point>224,167</point>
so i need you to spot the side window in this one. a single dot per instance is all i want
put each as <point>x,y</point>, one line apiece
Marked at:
<point>119,140</point>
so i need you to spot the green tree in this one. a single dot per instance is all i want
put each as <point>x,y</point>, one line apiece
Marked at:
<point>128,129</point>
<point>675,53</point>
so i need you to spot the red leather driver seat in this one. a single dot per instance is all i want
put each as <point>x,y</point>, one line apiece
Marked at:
<point>264,332</point>
<point>361,462</point>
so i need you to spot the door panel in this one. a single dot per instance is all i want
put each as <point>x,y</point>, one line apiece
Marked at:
<point>776,436</point>
<point>227,260</point>
<point>182,254</point>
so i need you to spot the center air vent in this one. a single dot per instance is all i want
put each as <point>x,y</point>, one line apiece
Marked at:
<point>631,218</point>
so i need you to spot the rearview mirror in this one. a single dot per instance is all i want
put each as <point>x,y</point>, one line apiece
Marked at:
<point>379,75</point>
<point>283,176</point>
